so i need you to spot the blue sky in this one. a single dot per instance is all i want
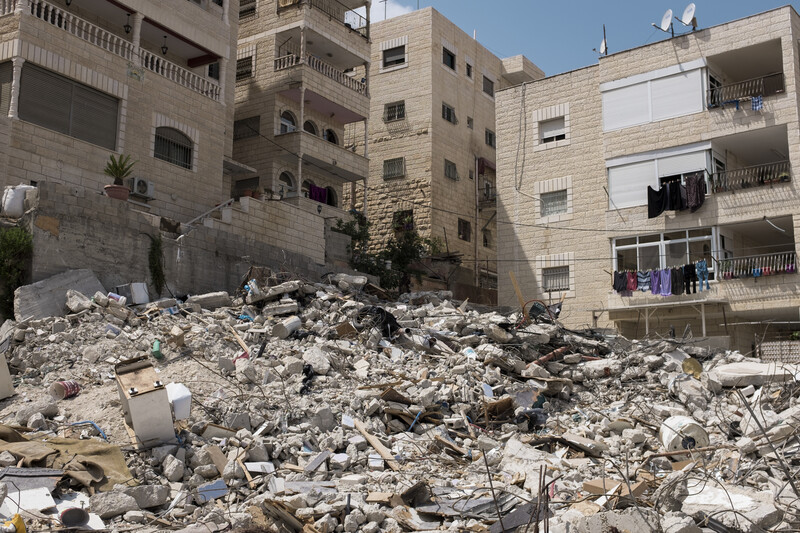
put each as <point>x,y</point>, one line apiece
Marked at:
<point>559,35</point>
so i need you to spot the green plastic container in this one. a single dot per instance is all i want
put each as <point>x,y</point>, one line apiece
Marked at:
<point>156,352</point>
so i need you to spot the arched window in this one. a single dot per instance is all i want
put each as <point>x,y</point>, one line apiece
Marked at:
<point>288,122</point>
<point>286,185</point>
<point>310,127</point>
<point>305,189</point>
<point>330,136</point>
<point>331,198</point>
<point>173,146</point>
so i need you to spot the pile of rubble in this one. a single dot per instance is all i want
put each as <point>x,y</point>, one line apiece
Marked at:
<point>318,407</point>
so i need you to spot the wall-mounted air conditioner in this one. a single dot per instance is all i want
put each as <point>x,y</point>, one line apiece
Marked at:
<point>141,187</point>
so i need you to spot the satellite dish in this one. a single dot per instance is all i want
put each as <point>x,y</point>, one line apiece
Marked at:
<point>603,47</point>
<point>666,20</point>
<point>688,18</point>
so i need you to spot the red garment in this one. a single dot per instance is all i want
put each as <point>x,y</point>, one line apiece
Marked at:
<point>633,282</point>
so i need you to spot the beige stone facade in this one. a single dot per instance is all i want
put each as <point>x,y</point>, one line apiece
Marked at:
<point>301,78</point>
<point>578,151</point>
<point>432,133</point>
<point>83,81</point>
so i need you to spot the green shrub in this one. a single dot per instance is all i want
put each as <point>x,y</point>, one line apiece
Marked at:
<point>16,248</point>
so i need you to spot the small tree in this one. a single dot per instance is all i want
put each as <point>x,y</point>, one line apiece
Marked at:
<point>16,246</point>
<point>119,168</point>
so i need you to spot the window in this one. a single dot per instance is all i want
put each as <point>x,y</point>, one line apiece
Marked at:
<point>664,250</point>
<point>394,111</point>
<point>491,140</point>
<point>331,198</point>
<point>286,186</point>
<point>394,56</point>
<point>450,170</point>
<point>552,130</point>
<point>244,68</point>
<point>6,73</point>
<point>449,113</point>
<point>448,58</point>
<point>487,238</point>
<point>553,203</point>
<point>394,168</point>
<point>310,127</point>
<point>464,230</point>
<point>213,71</point>
<point>330,136</point>
<point>247,8</point>
<point>555,279</point>
<point>470,123</point>
<point>60,104</point>
<point>246,127</point>
<point>403,220</point>
<point>469,70</point>
<point>488,86</point>
<point>173,147</point>
<point>288,122</point>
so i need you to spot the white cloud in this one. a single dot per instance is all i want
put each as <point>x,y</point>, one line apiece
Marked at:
<point>392,8</point>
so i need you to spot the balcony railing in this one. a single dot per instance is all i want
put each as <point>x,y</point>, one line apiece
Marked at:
<point>81,29</point>
<point>7,7</point>
<point>758,265</point>
<point>340,12</point>
<point>731,94</point>
<point>179,75</point>
<point>487,195</point>
<point>121,47</point>
<point>754,176</point>
<point>324,68</point>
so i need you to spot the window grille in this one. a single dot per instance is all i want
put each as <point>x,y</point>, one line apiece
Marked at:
<point>174,147</point>
<point>555,279</point>
<point>394,111</point>
<point>554,202</point>
<point>394,168</point>
<point>244,68</point>
<point>450,170</point>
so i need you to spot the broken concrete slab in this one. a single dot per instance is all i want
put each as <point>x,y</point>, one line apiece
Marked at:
<point>48,297</point>
<point>211,300</point>
<point>747,373</point>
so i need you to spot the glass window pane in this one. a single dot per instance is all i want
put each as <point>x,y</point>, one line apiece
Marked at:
<point>676,254</point>
<point>700,250</point>
<point>626,242</point>
<point>650,238</point>
<point>649,258</point>
<point>626,259</point>
<point>702,232</point>
<point>674,235</point>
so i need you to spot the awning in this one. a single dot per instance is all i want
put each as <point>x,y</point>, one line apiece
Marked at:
<point>484,163</point>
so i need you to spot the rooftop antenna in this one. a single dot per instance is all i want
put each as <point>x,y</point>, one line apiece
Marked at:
<point>666,23</point>
<point>385,2</point>
<point>688,18</point>
<point>603,45</point>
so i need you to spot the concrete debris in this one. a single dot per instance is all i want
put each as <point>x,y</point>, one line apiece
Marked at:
<point>300,406</point>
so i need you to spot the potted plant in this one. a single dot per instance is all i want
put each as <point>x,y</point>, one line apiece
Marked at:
<point>118,168</point>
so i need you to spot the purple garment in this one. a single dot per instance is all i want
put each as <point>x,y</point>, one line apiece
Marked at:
<point>666,282</point>
<point>318,194</point>
<point>655,282</point>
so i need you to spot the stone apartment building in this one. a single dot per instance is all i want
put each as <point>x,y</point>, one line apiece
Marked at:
<point>432,135</point>
<point>714,110</point>
<point>301,76</point>
<point>82,80</point>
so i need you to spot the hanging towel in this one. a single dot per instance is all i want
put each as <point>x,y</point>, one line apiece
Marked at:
<point>757,103</point>
<point>656,201</point>
<point>643,280</point>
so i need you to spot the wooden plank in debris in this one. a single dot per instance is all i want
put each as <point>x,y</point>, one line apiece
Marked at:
<point>239,340</point>
<point>451,445</point>
<point>379,497</point>
<point>317,461</point>
<point>391,395</point>
<point>384,452</point>
<point>217,457</point>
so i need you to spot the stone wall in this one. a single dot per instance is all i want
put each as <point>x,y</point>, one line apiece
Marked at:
<point>75,228</point>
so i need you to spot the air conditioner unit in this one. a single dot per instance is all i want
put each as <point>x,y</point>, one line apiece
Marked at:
<point>141,187</point>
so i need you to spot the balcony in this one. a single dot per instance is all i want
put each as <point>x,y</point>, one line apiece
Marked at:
<point>291,60</point>
<point>755,266</point>
<point>118,45</point>
<point>731,94</point>
<point>343,14</point>
<point>338,163</point>
<point>753,176</point>
<point>487,196</point>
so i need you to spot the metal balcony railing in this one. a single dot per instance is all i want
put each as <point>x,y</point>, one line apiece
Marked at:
<point>487,195</point>
<point>121,47</point>
<point>340,12</point>
<point>324,68</point>
<point>731,94</point>
<point>754,176</point>
<point>758,265</point>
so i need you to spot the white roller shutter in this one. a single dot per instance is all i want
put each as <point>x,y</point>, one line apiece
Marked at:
<point>682,164</point>
<point>627,184</point>
<point>677,95</point>
<point>552,128</point>
<point>626,106</point>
